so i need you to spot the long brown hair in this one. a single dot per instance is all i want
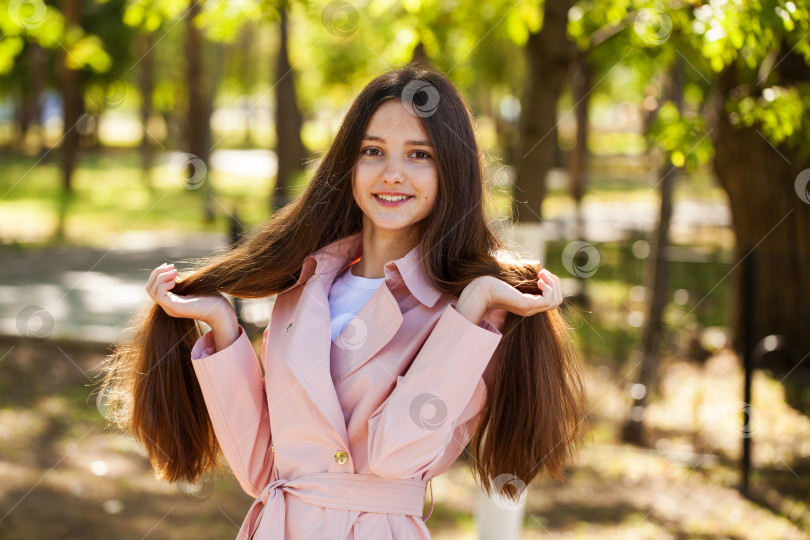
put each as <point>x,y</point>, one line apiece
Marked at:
<point>534,412</point>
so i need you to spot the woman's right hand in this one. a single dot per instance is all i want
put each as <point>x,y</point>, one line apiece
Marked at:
<point>210,309</point>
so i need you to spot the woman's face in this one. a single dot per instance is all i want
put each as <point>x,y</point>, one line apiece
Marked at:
<point>396,157</point>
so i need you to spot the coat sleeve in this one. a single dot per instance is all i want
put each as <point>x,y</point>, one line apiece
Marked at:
<point>428,418</point>
<point>234,392</point>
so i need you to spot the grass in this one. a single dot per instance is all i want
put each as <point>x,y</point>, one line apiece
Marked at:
<point>110,198</point>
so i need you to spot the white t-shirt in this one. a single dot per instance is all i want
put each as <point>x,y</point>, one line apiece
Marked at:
<point>347,295</point>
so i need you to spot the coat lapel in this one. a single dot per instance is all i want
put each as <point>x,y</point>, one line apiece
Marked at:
<point>308,350</point>
<point>370,329</point>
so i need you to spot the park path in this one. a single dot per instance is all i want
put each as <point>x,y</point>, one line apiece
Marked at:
<point>84,294</point>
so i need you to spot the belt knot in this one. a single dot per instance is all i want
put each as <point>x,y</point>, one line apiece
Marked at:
<point>336,490</point>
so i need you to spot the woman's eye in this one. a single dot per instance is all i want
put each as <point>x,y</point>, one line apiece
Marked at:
<point>373,151</point>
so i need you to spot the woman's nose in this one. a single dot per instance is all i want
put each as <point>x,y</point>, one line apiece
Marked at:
<point>394,170</point>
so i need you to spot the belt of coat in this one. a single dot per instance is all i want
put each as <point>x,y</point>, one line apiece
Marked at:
<point>338,490</point>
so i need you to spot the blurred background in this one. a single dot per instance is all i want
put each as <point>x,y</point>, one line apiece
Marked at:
<point>655,154</point>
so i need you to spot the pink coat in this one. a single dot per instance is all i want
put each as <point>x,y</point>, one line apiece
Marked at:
<point>335,445</point>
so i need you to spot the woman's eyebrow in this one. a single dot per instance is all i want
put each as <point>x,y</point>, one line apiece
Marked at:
<point>412,143</point>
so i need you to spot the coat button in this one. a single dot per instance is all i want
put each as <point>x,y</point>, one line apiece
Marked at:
<point>341,457</point>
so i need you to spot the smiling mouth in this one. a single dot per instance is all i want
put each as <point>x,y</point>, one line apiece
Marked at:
<point>397,200</point>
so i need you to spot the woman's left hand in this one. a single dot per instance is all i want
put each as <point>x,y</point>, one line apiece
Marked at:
<point>492,292</point>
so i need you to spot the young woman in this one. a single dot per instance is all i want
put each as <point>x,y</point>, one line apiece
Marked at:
<point>401,331</point>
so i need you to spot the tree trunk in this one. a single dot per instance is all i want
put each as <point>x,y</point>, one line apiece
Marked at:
<point>289,147</point>
<point>246,57</point>
<point>581,86</point>
<point>30,110</point>
<point>198,125</point>
<point>89,138</point>
<point>39,74</point>
<point>549,53</point>
<point>198,138</point>
<point>147,84</point>
<point>508,134</point>
<point>72,101</point>
<point>771,222</point>
<point>72,112</point>
<point>658,282</point>
<point>633,431</point>
<point>175,126</point>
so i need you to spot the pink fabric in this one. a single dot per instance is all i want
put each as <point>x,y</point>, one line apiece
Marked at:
<point>400,392</point>
<point>336,491</point>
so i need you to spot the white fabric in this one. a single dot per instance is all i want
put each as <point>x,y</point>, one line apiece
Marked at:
<point>347,295</point>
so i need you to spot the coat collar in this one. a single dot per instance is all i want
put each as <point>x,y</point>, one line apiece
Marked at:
<point>335,257</point>
<point>305,333</point>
